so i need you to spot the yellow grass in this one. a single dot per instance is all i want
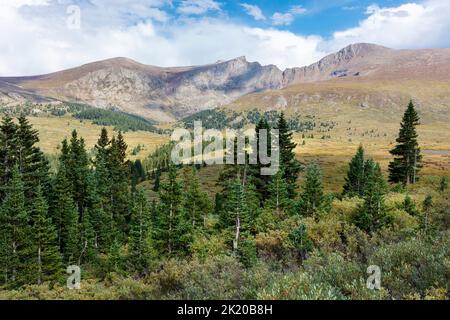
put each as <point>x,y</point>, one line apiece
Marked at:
<point>52,130</point>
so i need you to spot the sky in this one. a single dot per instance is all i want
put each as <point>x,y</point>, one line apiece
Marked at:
<point>42,36</point>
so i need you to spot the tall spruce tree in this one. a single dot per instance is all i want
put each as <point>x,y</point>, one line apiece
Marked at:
<point>46,259</point>
<point>16,263</point>
<point>356,176</point>
<point>278,194</point>
<point>290,164</point>
<point>120,180</point>
<point>196,202</point>
<point>32,163</point>
<point>65,216</point>
<point>141,251</point>
<point>312,198</point>
<point>8,144</point>
<point>261,182</point>
<point>172,234</point>
<point>407,158</point>
<point>239,213</point>
<point>372,214</point>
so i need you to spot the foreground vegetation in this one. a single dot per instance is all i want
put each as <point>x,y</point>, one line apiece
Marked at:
<point>256,237</point>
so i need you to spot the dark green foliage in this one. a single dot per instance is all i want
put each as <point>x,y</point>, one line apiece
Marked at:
<point>356,175</point>
<point>407,158</point>
<point>16,241</point>
<point>172,232</point>
<point>196,202</point>
<point>18,147</point>
<point>443,184</point>
<point>291,166</point>
<point>141,251</point>
<point>312,198</point>
<point>278,197</point>
<point>47,263</point>
<point>373,215</point>
<point>409,206</point>
<point>119,120</point>
<point>260,181</point>
<point>300,241</point>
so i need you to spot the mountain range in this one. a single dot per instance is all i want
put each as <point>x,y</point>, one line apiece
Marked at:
<point>168,94</point>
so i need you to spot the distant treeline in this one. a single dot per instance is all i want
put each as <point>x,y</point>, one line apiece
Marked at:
<point>119,120</point>
<point>219,119</point>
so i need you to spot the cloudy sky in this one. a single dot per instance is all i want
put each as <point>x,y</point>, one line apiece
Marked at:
<point>41,36</point>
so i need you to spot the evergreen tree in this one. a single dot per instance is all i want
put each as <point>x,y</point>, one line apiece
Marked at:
<point>65,216</point>
<point>141,251</point>
<point>15,261</point>
<point>157,182</point>
<point>47,259</point>
<point>407,158</point>
<point>409,206</point>
<point>426,216</point>
<point>372,215</point>
<point>356,176</point>
<point>87,239</point>
<point>300,240</point>
<point>288,162</point>
<point>240,210</point>
<point>172,231</point>
<point>196,202</point>
<point>278,194</point>
<point>312,198</point>
<point>119,181</point>
<point>443,184</point>
<point>8,144</point>
<point>32,163</point>
<point>261,182</point>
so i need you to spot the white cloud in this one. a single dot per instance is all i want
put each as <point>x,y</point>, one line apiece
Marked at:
<point>196,7</point>
<point>253,11</point>
<point>285,19</point>
<point>34,38</point>
<point>282,19</point>
<point>412,25</point>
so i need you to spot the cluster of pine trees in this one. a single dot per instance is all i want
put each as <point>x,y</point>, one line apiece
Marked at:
<point>92,211</point>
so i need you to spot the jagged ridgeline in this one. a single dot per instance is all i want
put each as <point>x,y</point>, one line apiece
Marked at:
<point>221,119</point>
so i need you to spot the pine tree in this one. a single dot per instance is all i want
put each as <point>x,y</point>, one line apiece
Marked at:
<point>77,169</point>
<point>65,216</point>
<point>356,177</point>
<point>120,180</point>
<point>260,181</point>
<point>47,259</point>
<point>278,194</point>
<point>172,231</point>
<point>196,202</point>
<point>141,251</point>
<point>8,144</point>
<point>300,240</point>
<point>372,215</point>
<point>312,197</point>
<point>240,211</point>
<point>443,184</point>
<point>407,158</point>
<point>409,206</point>
<point>16,236</point>
<point>288,162</point>
<point>87,239</point>
<point>32,163</point>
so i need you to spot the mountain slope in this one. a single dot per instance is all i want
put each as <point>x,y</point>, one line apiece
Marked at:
<point>167,94</point>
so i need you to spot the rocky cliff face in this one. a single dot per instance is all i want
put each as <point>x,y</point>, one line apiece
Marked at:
<point>166,94</point>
